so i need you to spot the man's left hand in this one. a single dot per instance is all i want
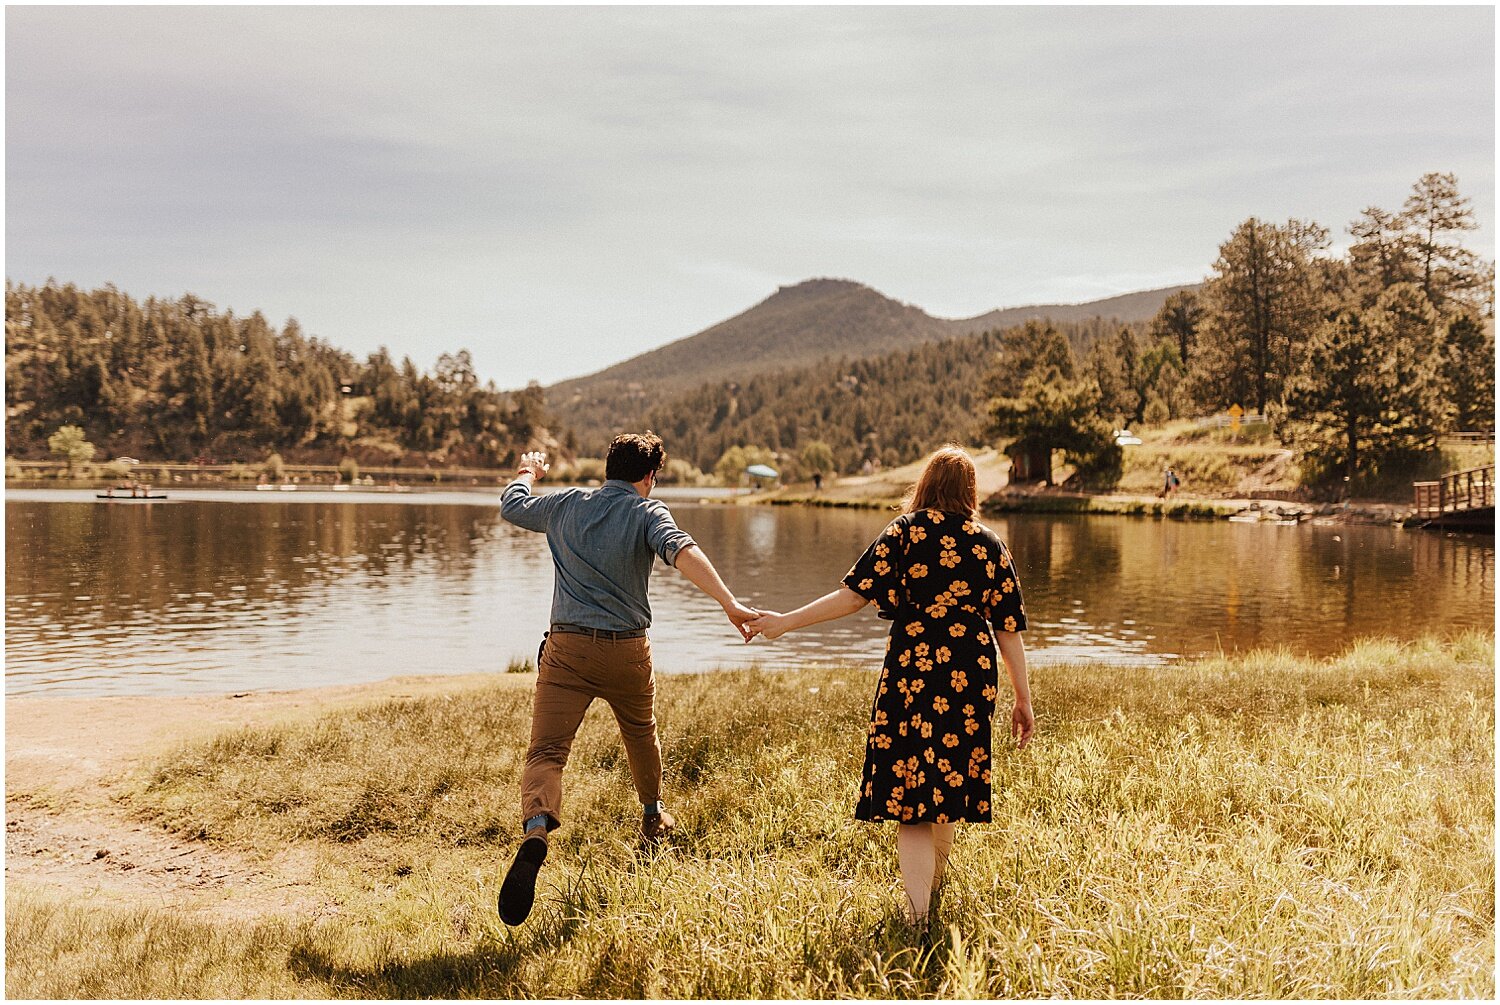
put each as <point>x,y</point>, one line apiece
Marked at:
<point>739,614</point>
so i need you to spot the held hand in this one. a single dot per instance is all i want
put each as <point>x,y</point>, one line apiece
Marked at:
<point>1022,723</point>
<point>770,624</point>
<point>534,464</point>
<point>740,616</point>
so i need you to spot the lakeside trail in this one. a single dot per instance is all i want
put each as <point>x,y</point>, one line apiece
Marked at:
<point>66,761</point>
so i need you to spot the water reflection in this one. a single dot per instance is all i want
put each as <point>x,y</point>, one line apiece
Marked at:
<point>231,592</point>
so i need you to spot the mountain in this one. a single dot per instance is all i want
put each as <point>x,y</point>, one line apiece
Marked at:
<point>819,319</point>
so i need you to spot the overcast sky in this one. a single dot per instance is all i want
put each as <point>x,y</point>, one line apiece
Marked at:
<point>557,189</point>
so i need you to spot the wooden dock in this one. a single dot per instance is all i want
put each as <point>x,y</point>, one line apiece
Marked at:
<point>1462,499</point>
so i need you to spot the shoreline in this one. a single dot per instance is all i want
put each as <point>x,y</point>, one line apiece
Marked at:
<point>1115,504</point>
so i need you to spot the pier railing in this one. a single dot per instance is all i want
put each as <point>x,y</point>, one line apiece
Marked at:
<point>1459,492</point>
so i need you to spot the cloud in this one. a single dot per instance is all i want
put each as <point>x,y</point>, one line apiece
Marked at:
<point>557,188</point>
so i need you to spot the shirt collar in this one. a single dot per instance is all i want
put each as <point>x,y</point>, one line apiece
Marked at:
<point>618,484</point>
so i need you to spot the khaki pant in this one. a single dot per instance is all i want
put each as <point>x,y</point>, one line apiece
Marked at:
<point>574,670</point>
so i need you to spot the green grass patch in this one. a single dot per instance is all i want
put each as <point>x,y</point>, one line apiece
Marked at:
<point>1258,826</point>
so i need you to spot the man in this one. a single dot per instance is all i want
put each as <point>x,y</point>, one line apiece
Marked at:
<point>603,545</point>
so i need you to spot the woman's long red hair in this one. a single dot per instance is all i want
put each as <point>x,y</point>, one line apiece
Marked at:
<point>947,483</point>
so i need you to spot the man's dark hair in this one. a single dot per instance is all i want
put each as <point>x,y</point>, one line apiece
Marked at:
<point>633,456</point>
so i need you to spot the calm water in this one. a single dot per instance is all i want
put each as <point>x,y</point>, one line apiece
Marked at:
<point>227,591</point>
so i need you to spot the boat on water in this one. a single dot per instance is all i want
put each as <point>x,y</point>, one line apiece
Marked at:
<point>130,493</point>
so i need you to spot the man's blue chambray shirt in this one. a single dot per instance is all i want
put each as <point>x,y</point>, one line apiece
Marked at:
<point>603,542</point>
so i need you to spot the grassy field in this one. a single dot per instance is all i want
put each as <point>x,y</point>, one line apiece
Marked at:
<point>1261,826</point>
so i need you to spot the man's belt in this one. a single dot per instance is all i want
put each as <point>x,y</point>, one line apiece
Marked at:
<point>600,633</point>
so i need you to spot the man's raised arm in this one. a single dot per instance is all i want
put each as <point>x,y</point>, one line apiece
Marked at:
<point>517,503</point>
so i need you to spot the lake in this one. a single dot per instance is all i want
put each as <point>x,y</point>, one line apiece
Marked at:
<point>223,591</point>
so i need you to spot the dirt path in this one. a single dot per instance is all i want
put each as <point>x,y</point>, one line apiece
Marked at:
<point>65,833</point>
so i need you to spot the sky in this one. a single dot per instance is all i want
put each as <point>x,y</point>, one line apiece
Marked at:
<point>557,189</point>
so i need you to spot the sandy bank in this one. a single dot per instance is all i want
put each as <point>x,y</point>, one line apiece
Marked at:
<point>66,760</point>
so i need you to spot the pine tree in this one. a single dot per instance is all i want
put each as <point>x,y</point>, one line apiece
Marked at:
<point>1263,300</point>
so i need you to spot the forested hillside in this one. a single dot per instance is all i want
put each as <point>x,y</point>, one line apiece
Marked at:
<point>889,408</point>
<point>176,379</point>
<point>802,325</point>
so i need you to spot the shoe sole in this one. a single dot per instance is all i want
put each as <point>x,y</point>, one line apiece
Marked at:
<point>518,892</point>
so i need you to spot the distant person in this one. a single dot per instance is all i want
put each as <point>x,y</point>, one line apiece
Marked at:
<point>950,588</point>
<point>817,481</point>
<point>604,542</point>
<point>1168,482</point>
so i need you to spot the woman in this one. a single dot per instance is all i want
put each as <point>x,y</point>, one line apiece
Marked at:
<point>951,590</point>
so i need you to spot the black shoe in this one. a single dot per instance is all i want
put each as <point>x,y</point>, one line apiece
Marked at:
<point>519,889</point>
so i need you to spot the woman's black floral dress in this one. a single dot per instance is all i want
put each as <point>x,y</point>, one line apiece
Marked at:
<point>943,579</point>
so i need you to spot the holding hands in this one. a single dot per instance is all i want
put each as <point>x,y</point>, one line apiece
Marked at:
<point>769,624</point>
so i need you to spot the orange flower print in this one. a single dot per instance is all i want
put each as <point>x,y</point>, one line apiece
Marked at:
<point>943,655</point>
<point>1004,559</point>
<point>890,597</point>
<point>882,567</point>
<point>983,806</point>
<point>960,680</point>
<point>882,549</point>
<point>865,584</point>
<point>905,658</point>
<point>901,726</point>
<point>970,527</point>
<point>906,813</point>
<point>948,559</point>
<point>924,666</point>
<point>971,727</point>
<point>968,710</point>
<point>983,638</point>
<point>989,569</point>
<point>927,730</point>
<point>959,588</point>
<point>950,739</point>
<point>984,662</point>
<point>990,692</point>
<point>880,718</point>
<point>957,630</point>
<point>937,611</point>
<point>894,530</point>
<point>948,543</point>
<point>916,720</point>
<point>1010,624</point>
<point>937,796</point>
<point>954,780</point>
<point>935,516</point>
<point>945,766</point>
<point>928,755</point>
<point>882,741</point>
<point>915,628</point>
<point>917,686</point>
<point>918,534</point>
<point>984,776</point>
<point>939,704</point>
<point>922,649</point>
<point>981,552</point>
<point>941,818</point>
<point>918,571</point>
<point>1007,585</point>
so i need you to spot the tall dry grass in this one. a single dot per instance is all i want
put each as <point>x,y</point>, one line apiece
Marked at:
<point>1258,826</point>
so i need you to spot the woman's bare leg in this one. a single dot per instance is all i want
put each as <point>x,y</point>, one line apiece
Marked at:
<point>917,854</point>
<point>942,843</point>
